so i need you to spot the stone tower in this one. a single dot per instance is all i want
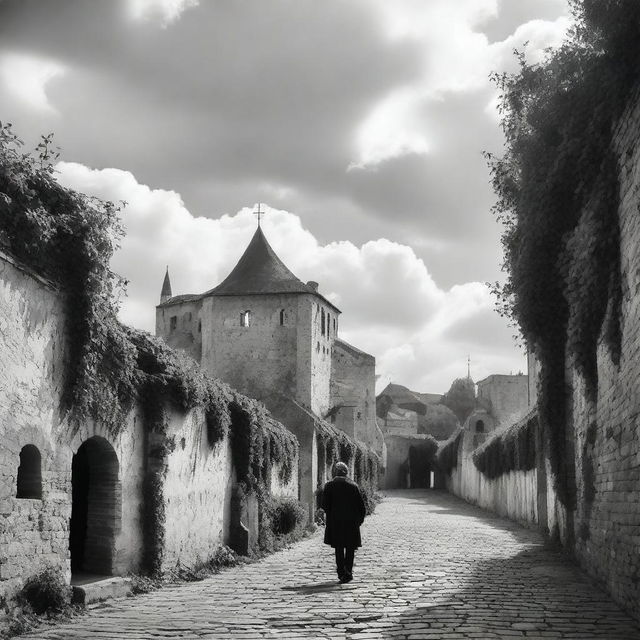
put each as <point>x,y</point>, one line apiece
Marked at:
<point>262,330</point>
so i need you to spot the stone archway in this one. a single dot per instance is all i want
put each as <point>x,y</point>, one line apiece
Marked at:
<point>96,507</point>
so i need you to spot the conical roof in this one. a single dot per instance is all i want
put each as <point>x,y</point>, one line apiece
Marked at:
<point>166,286</point>
<point>260,271</point>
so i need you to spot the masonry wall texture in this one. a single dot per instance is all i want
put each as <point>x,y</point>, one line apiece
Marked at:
<point>353,380</point>
<point>603,435</point>
<point>508,396</point>
<point>36,533</point>
<point>607,432</point>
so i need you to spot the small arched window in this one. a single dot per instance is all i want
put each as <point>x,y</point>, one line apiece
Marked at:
<point>479,426</point>
<point>245,318</point>
<point>281,317</point>
<point>30,473</point>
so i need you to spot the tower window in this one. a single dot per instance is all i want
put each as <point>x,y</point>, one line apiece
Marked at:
<point>245,318</point>
<point>29,473</point>
<point>479,426</point>
<point>281,317</point>
<point>322,328</point>
<point>173,323</point>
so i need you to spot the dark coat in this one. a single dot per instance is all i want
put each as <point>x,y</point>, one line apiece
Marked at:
<point>344,507</point>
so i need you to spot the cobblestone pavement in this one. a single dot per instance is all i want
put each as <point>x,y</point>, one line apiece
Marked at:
<point>432,567</point>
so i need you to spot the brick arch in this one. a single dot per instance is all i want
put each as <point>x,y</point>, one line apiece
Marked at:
<point>96,507</point>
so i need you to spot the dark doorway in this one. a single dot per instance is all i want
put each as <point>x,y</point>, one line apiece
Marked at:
<point>96,508</point>
<point>419,468</point>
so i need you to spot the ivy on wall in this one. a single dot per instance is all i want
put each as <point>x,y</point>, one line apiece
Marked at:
<point>70,239</point>
<point>447,454</point>
<point>335,445</point>
<point>511,450</point>
<point>558,197</point>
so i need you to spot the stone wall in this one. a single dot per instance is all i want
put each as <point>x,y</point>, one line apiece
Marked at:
<point>353,388</point>
<point>254,359</point>
<point>197,491</point>
<point>607,431</point>
<point>82,498</point>
<point>180,325</point>
<point>314,353</point>
<point>508,396</point>
<point>34,533</point>
<point>513,495</point>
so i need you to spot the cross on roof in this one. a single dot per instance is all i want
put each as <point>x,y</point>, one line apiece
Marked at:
<point>259,212</point>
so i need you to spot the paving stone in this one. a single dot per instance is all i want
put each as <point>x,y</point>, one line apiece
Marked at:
<point>432,567</point>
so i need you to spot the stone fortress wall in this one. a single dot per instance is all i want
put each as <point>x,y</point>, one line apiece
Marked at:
<point>41,453</point>
<point>603,531</point>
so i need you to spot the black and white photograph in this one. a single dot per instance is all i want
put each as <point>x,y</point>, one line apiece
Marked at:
<point>320,319</point>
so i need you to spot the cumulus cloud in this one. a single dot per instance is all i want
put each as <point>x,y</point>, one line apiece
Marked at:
<point>164,11</point>
<point>419,332</point>
<point>25,78</point>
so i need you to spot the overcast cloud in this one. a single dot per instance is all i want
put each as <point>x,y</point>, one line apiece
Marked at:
<point>360,123</point>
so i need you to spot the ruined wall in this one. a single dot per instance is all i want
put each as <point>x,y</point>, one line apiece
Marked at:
<point>353,388</point>
<point>180,326</point>
<point>255,359</point>
<point>508,396</point>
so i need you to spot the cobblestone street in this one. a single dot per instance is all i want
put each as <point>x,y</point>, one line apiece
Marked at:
<point>431,567</point>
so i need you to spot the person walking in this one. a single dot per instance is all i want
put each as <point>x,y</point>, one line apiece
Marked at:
<point>345,511</point>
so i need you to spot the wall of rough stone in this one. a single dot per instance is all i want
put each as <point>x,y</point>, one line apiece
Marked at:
<point>508,396</point>
<point>353,379</point>
<point>180,326</point>
<point>256,359</point>
<point>314,353</point>
<point>34,533</point>
<point>607,431</point>
<point>197,491</point>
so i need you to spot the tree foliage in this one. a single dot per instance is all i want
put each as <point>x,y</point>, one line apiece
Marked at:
<point>461,398</point>
<point>557,197</point>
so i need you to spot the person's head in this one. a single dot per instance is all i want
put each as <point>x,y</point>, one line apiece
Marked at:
<point>340,469</point>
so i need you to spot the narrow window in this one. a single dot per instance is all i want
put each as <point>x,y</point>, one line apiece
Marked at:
<point>199,326</point>
<point>334,326</point>
<point>245,318</point>
<point>322,330</point>
<point>29,473</point>
<point>479,426</point>
<point>281,317</point>
<point>173,322</point>
<point>328,323</point>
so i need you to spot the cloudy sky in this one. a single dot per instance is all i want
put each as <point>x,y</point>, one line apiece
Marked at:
<point>358,123</point>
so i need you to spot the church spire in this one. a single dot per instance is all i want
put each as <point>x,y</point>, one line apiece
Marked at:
<point>165,294</point>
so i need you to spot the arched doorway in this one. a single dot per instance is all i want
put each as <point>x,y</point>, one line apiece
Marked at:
<point>96,507</point>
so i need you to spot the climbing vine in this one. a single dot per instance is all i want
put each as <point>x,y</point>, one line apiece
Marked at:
<point>558,196</point>
<point>335,445</point>
<point>513,449</point>
<point>70,239</point>
<point>447,455</point>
